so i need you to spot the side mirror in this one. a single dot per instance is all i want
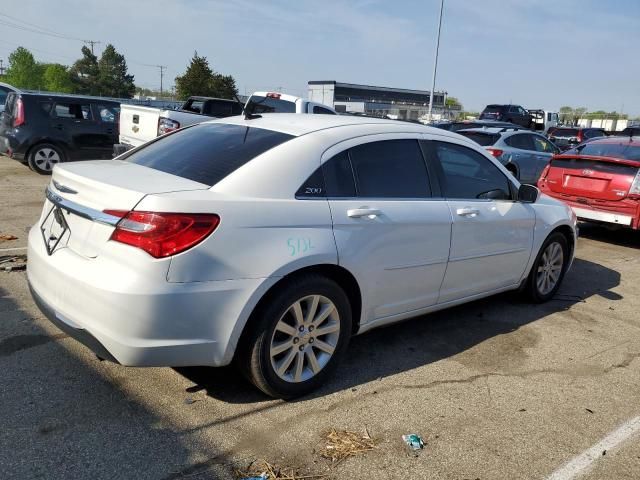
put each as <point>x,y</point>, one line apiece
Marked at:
<point>528,193</point>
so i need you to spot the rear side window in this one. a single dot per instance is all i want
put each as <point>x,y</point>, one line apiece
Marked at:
<point>466,174</point>
<point>482,139</point>
<point>320,110</point>
<point>207,153</point>
<point>74,111</point>
<point>108,113</point>
<point>338,176</point>
<point>391,168</point>
<point>522,141</point>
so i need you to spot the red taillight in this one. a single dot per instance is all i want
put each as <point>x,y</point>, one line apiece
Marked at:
<point>274,95</point>
<point>18,119</point>
<point>166,125</point>
<point>496,152</point>
<point>580,136</point>
<point>162,234</point>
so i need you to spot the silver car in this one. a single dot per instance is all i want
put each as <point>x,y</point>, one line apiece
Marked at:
<point>524,153</point>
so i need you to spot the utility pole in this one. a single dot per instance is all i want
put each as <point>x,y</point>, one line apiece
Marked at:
<point>1,68</point>
<point>435,64</point>
<point>92,43</point>
<point>162,69</point>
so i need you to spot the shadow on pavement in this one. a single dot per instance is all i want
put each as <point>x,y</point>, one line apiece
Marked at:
<point>426,339</point>
<point>624,237</point>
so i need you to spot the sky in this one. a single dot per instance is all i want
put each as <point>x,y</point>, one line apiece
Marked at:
<point>536,53</point>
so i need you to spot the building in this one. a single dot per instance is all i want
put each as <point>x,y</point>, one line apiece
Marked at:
<point>398,103</point>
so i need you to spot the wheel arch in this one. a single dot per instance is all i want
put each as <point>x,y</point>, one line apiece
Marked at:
<point>343,277</point>
<point>61,145</point>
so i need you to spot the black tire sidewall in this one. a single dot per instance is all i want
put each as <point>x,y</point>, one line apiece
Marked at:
<point>257,359</point>
<point>31,160</point>
<point>533,292</point>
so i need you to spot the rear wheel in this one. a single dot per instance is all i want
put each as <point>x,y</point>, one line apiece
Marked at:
<point>297,339</point>
<point>549,268</point>
<point>43,157</point>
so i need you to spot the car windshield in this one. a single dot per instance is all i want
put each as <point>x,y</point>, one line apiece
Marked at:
<point>208,152</point>
<point>624,150</point>
<point>481,138</point>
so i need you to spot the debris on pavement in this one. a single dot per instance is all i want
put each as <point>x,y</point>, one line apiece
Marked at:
<point>13,263</point>
<point>414,441</point>
<point>263,470</point>
<point>5,237</point>
<point>341,444</point>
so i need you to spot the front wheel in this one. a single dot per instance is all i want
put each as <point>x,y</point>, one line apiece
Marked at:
<point>297,339</point>
<point>549,268</point>
<point>43,157</point>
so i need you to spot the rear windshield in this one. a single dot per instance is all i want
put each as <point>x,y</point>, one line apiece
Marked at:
<point>595,165</point>
<point>493,109</point>
<point>624,150</point>
<point>564,132</point>
<point>208,152</point>
<point>482,139</point>
<point>258,104</point>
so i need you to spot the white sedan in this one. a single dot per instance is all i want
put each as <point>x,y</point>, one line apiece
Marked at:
<point>270,241</point>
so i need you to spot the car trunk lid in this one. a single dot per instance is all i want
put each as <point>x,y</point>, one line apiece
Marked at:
<point>597,178</point>
<point>84,190</point>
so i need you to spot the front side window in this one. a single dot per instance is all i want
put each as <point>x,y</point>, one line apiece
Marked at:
<point>467,174</point>
<point>391,169</point>
<point>74,111</point>
<point>208,152</point>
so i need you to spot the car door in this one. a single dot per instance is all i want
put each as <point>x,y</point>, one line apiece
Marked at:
<point>75,123</point>
<point>544,151</point>
<point>491,234</point>
<point>392,229</point>
<point>522,154</point>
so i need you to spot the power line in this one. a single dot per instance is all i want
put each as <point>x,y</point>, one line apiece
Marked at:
<point>92,43</point>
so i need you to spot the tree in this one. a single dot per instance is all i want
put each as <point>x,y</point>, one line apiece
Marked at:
<point>23,71</point>
<point>113,79</point>
<point>452,102</point>
<point>84,73</point>
<point>200,79</point>
<point>56,78</point>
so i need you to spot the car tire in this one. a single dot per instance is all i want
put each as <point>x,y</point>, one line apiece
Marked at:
<point>43,157</point>
<point>548,269</point>
<point>287,358</point>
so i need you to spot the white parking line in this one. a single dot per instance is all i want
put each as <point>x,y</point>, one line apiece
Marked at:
<point>580,464</point>
<point>12,249</point>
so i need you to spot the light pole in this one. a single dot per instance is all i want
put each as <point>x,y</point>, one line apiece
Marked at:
<point>435,64</point>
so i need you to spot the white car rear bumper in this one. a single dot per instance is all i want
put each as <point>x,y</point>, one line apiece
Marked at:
<point>134,320</point>
<point>600,216</point>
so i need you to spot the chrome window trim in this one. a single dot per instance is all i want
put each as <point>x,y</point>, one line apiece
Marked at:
<point>81,210</point>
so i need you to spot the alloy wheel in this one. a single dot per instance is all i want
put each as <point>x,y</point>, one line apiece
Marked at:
<point>305,338</point>
<point>550,268</point>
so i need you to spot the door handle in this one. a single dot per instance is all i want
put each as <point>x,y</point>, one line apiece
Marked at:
<point>468,212</point>
<point>363,212</point>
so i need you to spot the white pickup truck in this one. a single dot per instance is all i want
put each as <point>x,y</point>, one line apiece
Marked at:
<point>140,124</point>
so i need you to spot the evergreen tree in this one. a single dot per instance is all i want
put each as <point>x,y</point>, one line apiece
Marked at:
<point>84,73</point>
<point>200,79</point>
<point>56,78</point>
<point>23,71</point>
<point>113,79</point>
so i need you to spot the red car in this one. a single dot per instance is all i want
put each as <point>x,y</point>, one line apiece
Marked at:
<point>600,180</point>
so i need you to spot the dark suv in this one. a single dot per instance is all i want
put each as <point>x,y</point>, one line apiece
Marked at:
<point>508,113</point>
<point>42,130</point>
<point>568,137</point>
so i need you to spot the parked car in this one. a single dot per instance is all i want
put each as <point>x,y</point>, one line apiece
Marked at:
<point>467,124</point>
<point>568,137</point>
<point>600,180</point>
<point>522,152</point>
<point>630,131</point>
<point>42,130</point>
<point>5,90</point>
<point>508,113</point>
<point>543,120</point>
<point>275,102</point>
<point>139,124</point>
<point>270,241</point>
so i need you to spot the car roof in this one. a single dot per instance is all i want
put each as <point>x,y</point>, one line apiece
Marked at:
<point>298,124</point>
<point>56,96</point>
<point>11,87</point>
<point>634,141</point>
<point>496,130</point>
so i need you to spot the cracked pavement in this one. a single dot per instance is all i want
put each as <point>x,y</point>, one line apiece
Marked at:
<point>499,389</point>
